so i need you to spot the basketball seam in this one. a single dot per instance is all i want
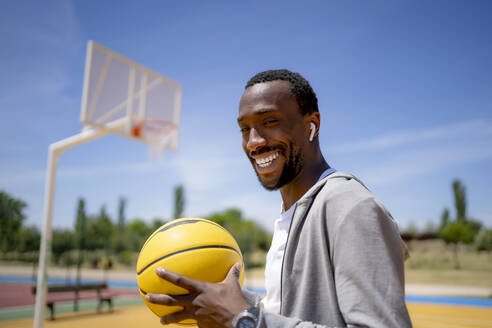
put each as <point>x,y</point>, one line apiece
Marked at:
<point>145,293</point>
<point>186,250</point>
<point>175,224</point>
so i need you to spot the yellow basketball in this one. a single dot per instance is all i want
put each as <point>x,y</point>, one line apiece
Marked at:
<point>196,248</point>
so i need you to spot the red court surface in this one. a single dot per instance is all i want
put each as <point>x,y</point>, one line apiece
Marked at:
<point>20,294</point>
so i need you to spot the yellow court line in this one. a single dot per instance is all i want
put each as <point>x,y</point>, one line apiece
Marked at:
<point>455,320</point>
<point>422,315</point>
<point>433,324</point>
<point>449,316</point>
<point>122,317</point>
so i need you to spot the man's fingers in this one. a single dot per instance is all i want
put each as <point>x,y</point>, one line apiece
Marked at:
<point>170,300</point>
<point>194,286</point>
<point>234,272</point>
<point>177,317</point>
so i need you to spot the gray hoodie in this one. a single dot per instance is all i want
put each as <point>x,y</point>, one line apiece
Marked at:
<point>343,262</point>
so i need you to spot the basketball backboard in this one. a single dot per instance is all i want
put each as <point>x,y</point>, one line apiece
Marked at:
<point>129,99</point>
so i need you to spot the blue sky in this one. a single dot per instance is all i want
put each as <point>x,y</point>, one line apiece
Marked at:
<point>404,88</point>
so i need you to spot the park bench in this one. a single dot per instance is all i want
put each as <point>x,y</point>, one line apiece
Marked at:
<point>64,293</point>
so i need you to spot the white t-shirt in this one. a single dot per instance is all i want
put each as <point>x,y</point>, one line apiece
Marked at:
<point>275,255</point>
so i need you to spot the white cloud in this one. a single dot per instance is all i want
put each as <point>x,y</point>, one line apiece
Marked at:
<point>403,155</point>
<point>412,163</point>
<point>467,130</point>
<point>38,175</point>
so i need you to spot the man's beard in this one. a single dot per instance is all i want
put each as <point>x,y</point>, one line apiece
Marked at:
<point>291,169</point>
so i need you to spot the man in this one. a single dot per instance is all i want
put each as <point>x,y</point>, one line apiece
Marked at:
<point>336,258</point>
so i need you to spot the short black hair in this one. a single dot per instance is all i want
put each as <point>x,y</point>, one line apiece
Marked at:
<point>300,87</point>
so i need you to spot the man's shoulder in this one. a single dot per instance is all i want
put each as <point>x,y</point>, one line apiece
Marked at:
<point>338,194</point>
<point>341,194</point>
<point>343,186</point>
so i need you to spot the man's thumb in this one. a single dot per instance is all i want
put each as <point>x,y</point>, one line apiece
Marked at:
<point>234,272</point>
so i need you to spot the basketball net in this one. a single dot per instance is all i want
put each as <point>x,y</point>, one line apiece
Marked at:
<point>157,134</point>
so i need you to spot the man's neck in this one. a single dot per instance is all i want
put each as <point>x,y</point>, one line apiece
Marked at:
<point>309,175</point>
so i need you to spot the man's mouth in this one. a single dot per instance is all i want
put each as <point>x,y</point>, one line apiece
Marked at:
<point>266,160</point>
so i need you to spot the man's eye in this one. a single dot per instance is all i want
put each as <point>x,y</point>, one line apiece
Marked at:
<point>270,122</point>
<point>244,129</point>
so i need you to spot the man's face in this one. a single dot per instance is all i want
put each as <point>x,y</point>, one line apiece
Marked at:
<point>274,132</point>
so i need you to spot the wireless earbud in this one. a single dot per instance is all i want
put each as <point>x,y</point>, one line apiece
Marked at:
<point>313,130</point>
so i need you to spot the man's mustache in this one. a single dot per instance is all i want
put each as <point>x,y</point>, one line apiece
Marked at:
<point>265,149</point>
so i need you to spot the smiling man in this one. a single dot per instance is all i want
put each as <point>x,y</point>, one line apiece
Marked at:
<point>336,258</point>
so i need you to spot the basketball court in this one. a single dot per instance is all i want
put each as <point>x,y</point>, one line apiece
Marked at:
<point>126,316</point>
<point>17,310</point>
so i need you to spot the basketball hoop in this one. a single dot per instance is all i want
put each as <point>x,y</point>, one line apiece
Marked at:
<point>156,133</point>
<point>119,96</point>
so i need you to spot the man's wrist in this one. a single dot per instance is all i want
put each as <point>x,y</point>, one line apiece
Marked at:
<point>247,318</point>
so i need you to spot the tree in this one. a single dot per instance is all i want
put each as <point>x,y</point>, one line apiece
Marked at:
<point>460,203</point>
<point>444,219</point>
<point>454,233</point>
<point>80,231</point>
<point>99,231</point>
<point>106,227</point>
<point>156,223</point>
<point>463,229</point>
<point>459,192</point>
<point>249,235</point>
<point>80,225</point>
<point>121,213</point>
<point>29,239</point>
<point>138,232</point>
<point>179,201</point>
<point>474,225</point>
<point>63,241</point>
<point>11,217</point>
<point>120,238</point>
<point>484,240</point>
<point>227,218</point>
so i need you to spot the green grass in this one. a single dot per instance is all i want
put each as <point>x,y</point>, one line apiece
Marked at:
<point>449,277</point>
<point>432,262</point>
<point>435,254</point>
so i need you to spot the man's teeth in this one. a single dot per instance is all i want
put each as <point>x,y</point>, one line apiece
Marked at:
<point>266,161</point>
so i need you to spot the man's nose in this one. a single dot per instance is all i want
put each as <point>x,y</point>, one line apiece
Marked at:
<point>255,140</point>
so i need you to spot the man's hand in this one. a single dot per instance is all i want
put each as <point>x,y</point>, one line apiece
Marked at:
<point>210,304</point>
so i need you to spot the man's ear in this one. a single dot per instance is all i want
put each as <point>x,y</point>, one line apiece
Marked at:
<point>313,131</point>
<point>314,123</point>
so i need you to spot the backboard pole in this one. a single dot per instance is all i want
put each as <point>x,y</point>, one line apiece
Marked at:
<point>44,255</point>
<point>54,152</point>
